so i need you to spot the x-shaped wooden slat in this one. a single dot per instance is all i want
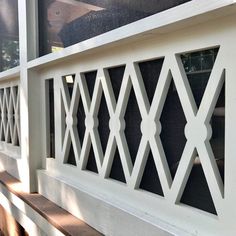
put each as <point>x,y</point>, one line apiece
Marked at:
<point>117,137</point>
<point>198,130</point>
<point>16,109</point>
<point>71,134</point>
<point>91,136</point>
<point>91,108</point>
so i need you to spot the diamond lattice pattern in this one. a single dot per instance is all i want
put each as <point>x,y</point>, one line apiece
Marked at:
<point>10,119</point>
<point>107,103</point>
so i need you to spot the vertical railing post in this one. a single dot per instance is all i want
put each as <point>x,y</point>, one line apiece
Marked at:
<point>29,96</point>
<point>230,129</point>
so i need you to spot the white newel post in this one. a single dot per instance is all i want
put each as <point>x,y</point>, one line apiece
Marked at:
<point>29,95</point>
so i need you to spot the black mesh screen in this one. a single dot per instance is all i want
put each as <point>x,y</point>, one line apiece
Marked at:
<point>63,23</point>
<point>103,127</point>
<point>150,179</point>
<point>90,79</point>
<point>116,75</point>
<point>51,117</point>
<point>91,164</point>
<point>173,123</point>
<point>71,156</point>
<point>132,125</point>
<point>198,66</point>
<point>196,192</point>
<point>150,71</point>
<point>117,172</point>
<point>217,140</point>
<point>81,121</point>
<point>3,135</point>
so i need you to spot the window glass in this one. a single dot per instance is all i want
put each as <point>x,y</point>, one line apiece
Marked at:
<point>9,34</point>
<point>66,22</point>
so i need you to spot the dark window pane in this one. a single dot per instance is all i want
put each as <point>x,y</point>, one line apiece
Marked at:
<point>9,34</point>
<point>63,23</point>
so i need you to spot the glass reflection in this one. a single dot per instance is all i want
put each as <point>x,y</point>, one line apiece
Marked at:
<point>9,34</point>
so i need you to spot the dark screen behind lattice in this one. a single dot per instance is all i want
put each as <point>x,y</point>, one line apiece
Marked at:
<point>51,118</point>
<point>196,192</point>
<point>91,164</point>
<point>173,123</point>
<point>90,79</point>
<point>198,83</point>
<point>103,127</point>
<point>217,140</point>
<point>3,135</point>
<point>9,137</point>
<point>117,172</point>
<point>132,125</point>
<point>150,71</point>
<point>116,75</point>
<point>150,179</point>
<point>17,142</point>
<point>81,121</point>
<point>198,66</point>
<point>71,156</point>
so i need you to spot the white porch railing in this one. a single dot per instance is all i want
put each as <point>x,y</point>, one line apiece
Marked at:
<point>77,105</point>
<point>10,119</point>
<point>94,97</point>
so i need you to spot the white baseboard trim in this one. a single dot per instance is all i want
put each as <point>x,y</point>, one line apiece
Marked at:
<point>102,214</point>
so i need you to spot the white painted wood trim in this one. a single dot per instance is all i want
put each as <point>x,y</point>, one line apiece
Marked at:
<point>10,74</point>
<point>108,216</point>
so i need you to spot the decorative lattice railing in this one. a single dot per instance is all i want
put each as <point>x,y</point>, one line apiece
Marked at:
<point>155,125</point>
<point>10,118</point>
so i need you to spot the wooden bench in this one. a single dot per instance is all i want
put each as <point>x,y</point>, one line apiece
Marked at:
<point>55,215</point>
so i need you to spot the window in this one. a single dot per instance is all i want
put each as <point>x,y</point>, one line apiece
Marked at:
<point>9,35</point>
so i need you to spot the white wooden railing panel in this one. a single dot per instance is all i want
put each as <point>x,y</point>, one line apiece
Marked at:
<point>10,118</point>
<point>197,131</point>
